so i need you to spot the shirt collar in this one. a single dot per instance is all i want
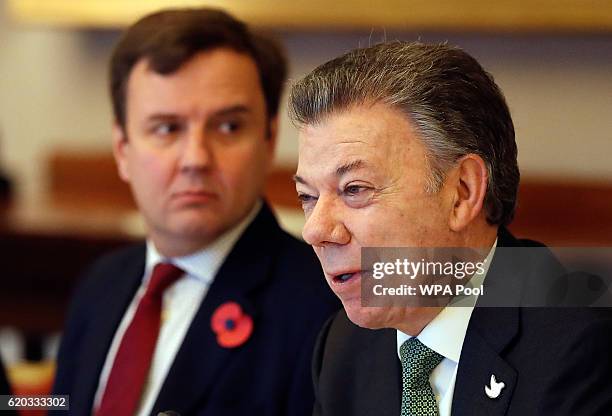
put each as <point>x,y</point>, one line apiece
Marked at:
<point>203,264</point>
<point>446,332</point>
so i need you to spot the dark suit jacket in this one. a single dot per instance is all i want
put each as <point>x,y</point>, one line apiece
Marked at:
<point>554,361</point>
<point>274,277</point>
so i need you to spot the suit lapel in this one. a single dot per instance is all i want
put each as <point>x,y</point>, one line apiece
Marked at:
<point>490,331</point>
<point>201,360</point>
<point>109,310</point>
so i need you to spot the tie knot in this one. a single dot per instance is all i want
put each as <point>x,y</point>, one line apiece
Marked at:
<point>418,361</point>
<point>164,274</point>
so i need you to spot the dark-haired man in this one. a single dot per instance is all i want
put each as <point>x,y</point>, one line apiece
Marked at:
<point>217,313</point>
<point>412,145</point>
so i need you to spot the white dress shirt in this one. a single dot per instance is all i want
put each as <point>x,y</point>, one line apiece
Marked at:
<point>445,335</point>
<point>180,303</point>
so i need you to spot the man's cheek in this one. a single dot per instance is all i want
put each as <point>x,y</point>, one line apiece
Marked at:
<point>319,254</point>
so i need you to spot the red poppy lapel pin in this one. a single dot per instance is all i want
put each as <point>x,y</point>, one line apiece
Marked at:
<point>232,326</point>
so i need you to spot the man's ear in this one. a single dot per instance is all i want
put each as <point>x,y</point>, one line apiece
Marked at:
<point>120,144</point>
<point>470,179</point>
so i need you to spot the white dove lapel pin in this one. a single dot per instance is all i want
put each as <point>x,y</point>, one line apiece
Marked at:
<point>494,390</point>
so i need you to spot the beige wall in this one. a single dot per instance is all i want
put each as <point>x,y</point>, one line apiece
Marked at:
<point>53,94</point>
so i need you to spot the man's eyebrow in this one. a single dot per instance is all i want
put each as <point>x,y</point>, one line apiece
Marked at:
<point>299,179</point>
<point>162,117</point>
<point>341,170</point>
<point>235,109</point>
<point>347,167</point>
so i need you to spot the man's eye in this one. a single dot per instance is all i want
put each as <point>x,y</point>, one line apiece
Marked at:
<point>166,129</point>
<point>354,189</point>
<point>357,196</point>
<point>357,191</point>
<point>229,127</point>
<point>306,200</point>
<point>305,197</point>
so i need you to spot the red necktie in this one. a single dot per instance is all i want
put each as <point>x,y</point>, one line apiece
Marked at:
<point>131,366</point>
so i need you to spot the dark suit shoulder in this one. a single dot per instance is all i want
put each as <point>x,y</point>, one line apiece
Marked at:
<point>113,262</point>
<point>101,279</point>
<point>562,356</point>
<point>103,290</point>
<point>298,270</point>
<point>558,335</point>
<point>295,255</point>
<point>554,335</point>
<point>297,286</point>
<point>506,239</point>
<point>563,319</point>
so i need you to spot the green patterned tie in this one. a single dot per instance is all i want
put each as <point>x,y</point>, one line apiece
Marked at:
<point>418,362</point>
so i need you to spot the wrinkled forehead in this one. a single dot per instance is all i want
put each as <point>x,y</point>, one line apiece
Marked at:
<point>364,138</point>
<point>369,128</point>
<point>333,148</point>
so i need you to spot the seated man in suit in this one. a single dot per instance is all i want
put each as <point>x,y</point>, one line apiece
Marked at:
<point>217,314</point>
<point>412,145</point>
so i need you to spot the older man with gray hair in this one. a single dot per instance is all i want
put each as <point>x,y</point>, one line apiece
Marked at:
<point>412,145</point>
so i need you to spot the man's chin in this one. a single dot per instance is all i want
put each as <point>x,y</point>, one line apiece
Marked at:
<point>365,317</point>
<point>194,223</point>
<point>186,235</point>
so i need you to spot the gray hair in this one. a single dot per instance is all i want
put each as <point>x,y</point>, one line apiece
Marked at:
<point>453,103</point>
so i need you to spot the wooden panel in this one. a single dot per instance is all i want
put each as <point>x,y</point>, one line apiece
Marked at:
<point>280,189</point>
<point>87,180</point>
<point>565,213</point>
<point>460,15</point>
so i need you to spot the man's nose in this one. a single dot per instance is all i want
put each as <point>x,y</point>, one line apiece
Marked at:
<point>325,224</point>
<point>197,151</point>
